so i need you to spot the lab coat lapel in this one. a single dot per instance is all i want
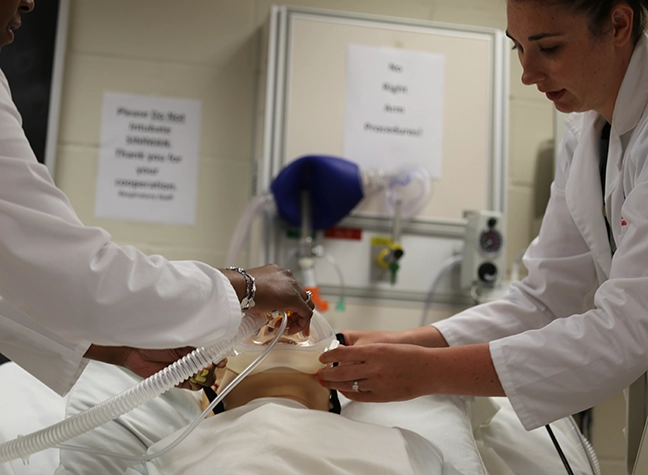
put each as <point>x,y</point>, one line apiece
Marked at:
<point>628,109</point>
<point>583,193</point>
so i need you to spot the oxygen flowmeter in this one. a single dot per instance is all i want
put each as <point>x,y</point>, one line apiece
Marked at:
<point>483,262</point>
<point>387,252</point>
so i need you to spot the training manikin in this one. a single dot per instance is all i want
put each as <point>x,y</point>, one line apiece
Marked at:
<point>269,425</point>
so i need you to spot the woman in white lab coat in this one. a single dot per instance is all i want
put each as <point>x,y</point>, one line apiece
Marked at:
<point>575,331</point>
<point>67,292</point>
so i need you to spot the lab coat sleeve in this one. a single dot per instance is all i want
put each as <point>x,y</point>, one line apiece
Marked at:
<point>56,362</point>
<point>76,285</point>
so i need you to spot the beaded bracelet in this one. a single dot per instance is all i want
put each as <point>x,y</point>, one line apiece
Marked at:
<point>250,288</point>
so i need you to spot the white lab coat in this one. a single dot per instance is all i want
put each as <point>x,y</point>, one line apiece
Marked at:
<point>575,331</point>
<point>64,285</point>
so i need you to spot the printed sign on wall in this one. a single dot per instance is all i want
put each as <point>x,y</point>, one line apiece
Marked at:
<point>394,108</point>
<point>148,159</point>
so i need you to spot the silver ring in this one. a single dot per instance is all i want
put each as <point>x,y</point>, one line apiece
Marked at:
<point>309,296</point>
<point>356,386</point>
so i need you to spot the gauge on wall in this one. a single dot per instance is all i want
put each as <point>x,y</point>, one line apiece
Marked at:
<point>490,242</point>
<point>483,253</point>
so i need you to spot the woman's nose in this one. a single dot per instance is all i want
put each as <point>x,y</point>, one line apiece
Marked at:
<point>531,74</point>
<point>26,6</point>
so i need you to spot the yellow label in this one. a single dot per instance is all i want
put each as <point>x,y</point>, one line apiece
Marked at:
<point>380,241</point>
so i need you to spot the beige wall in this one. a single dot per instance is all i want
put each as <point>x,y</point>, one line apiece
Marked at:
<point>207,50</point>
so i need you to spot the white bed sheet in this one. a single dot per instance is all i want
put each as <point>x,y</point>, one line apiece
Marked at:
<point>276,436</point>
<point>501,442</point>
<point>508,449</point>
<point>139,429</point>
<point>442,420</point>
<point>27,405</point>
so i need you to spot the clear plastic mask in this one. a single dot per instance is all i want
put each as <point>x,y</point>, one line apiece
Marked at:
<point>296,352</point>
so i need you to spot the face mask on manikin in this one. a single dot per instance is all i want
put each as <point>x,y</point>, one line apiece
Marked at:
<point>297,352</point>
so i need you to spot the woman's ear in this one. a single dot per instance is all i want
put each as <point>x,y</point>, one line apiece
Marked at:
<point>622,17</point>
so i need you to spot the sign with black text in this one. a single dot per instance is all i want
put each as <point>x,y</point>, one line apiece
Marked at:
<point>394,108</point>
<point>148,159</point>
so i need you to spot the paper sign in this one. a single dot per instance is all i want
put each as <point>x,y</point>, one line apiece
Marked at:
<point>394,108</point>
<point>148,159</point>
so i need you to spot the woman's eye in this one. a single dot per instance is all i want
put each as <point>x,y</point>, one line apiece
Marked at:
<point>550,50</point>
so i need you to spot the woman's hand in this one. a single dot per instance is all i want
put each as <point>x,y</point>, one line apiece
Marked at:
<point>145,363</point>
<point>276,290</point>
<point>397,372</point>
<point>384,372</point>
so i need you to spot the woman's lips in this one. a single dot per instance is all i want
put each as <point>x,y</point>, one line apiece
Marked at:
<point>11,33</point>
<point>555,95</point>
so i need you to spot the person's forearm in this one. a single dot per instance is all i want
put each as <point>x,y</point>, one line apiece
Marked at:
<point>389,371</point>
<point>107,354</point>
<point>462,370</point>
<point>428,337</point>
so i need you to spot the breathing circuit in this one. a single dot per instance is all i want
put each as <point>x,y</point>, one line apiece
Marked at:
<point>23,447</point>
<point>185,433</point>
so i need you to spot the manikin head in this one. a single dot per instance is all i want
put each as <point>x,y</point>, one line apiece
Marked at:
<point>289,370</point>
<point>300,387</point>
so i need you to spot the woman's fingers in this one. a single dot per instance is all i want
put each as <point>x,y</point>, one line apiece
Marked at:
<point>376,372</point>
<point>345,354</point>
<point>277,290</point>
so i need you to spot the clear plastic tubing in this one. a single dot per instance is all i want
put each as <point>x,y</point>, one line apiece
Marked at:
<point>258,204</point>
<point>23,446</point>
<point>221,395</point>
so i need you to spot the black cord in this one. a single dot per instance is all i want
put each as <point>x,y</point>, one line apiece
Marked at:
<point>560,452</point>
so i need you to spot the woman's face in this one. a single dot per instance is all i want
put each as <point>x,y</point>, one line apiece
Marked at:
<point>571,66</point>
<point>10,11</point>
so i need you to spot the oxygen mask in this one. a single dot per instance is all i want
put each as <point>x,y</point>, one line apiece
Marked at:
<point>297,352</point>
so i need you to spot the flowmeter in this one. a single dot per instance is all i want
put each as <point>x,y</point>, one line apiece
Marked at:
<point>483,261</point>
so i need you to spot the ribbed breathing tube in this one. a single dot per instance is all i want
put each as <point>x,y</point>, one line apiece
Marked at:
<point>52,436</point>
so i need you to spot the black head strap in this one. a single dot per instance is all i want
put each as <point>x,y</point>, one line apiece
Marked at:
<point>334,399</point>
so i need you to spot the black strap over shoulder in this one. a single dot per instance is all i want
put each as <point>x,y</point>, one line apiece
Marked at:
<point>605,145</point>
<point>211,395</point>
<point>604,149</point>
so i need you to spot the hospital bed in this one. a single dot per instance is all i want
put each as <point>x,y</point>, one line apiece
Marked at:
<point>478,436</point>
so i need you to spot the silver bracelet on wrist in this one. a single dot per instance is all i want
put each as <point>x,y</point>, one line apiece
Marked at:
<point>250,288</point>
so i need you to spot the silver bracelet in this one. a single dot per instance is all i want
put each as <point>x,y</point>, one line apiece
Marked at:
<point>250,288</point>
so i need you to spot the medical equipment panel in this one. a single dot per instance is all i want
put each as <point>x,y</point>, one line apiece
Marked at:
<point>483,251</point>
<point>379,250</point>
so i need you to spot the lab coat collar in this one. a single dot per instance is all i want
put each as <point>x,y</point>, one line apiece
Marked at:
<point>633,94</point>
